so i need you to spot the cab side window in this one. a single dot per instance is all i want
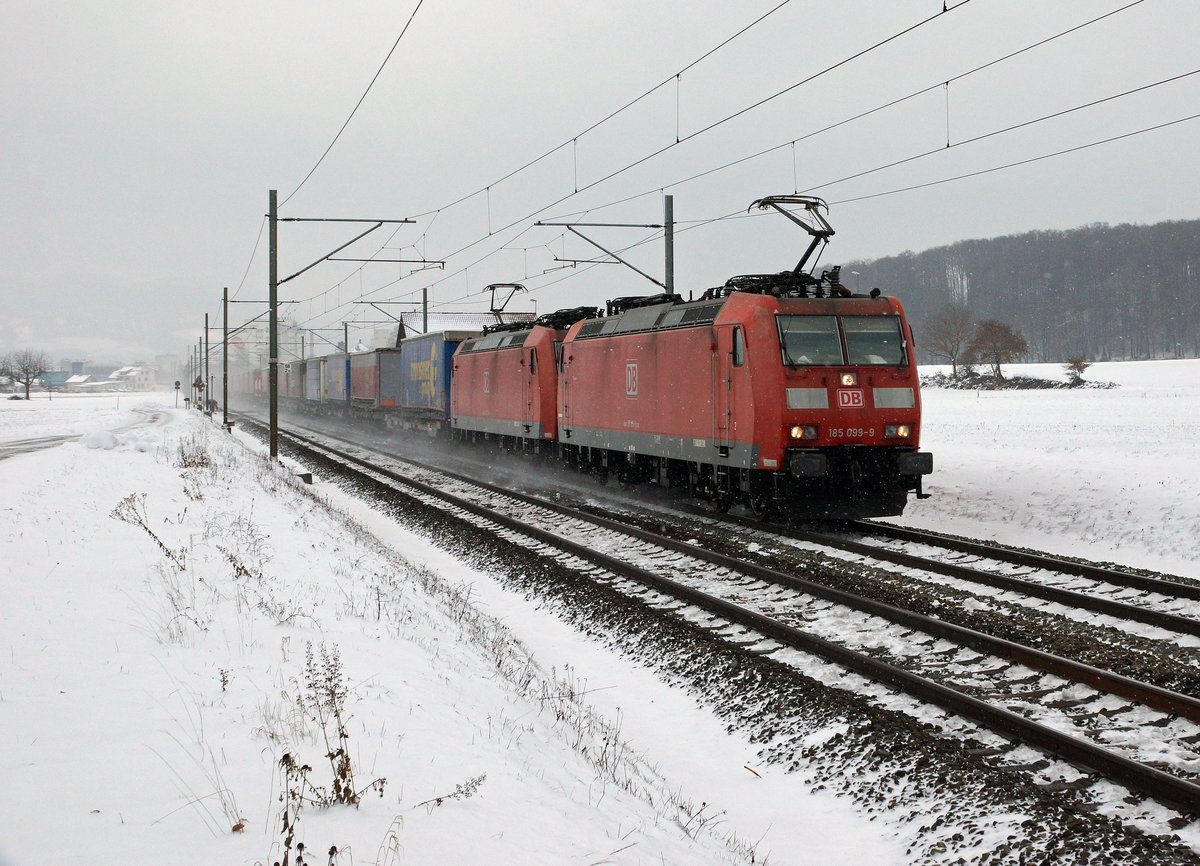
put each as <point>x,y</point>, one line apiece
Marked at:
<point>739,348</point>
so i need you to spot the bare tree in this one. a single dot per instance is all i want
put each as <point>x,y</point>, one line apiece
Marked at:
<point>948,334</point>
<point>996,343</point>
<point>27,366</point>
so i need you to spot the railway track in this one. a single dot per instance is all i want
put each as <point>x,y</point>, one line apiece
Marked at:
<point>1031,559</point>
<point>1164,602</point>
<point>1170,604</point>
<point>1138,734</point>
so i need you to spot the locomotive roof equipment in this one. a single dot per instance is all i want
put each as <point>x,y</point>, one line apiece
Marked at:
<point>796,283</point>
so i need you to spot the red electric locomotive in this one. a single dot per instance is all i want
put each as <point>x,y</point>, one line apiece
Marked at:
<point>783,392</point>
<point>505,383</point>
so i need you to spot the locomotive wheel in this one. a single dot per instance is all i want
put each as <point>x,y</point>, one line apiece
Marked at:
<point>762,508</point>
<point>721,504</point>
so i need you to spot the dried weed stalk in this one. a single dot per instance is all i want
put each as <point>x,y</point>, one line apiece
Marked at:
<point>132,510</point>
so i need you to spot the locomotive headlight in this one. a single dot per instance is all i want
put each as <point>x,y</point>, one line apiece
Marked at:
<point>849,380</point>
<point>805,431</point>
<point>897,431</point>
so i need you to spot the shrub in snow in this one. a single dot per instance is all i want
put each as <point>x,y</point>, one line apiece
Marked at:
<point>193,454</point>
<point>1075,368</point>
<point>323,698</point>
<point>971,381</point>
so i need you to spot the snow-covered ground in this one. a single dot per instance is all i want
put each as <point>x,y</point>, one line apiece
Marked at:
<point>152,677</point>
<point>71,414</point>
<point>1105,474</point>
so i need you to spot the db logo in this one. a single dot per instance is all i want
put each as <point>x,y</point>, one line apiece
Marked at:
<point>631,378</point>
<point>850,399</point>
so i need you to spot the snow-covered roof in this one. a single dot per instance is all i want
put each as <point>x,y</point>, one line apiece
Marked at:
<point>125,373</point>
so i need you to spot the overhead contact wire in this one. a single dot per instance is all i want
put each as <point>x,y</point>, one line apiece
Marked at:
<point>573,140</point>
<point>739,214</point>
<point>744,159</point>
<point>1006,129</point>
<point>708,128</point>
<point>884,106</point>
<point>358,104</point>
<point>262,225</point>
<point>1021,162</point>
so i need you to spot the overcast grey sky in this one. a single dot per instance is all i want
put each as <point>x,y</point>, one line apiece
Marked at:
<point>140,139</point>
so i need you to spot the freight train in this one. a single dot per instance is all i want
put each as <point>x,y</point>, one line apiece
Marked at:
<point>784,393</point>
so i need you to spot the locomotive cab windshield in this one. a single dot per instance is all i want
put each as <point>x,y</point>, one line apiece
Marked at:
<point>828,341</point>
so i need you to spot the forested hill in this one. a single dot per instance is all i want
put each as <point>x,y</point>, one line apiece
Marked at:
<point>1105,292</point>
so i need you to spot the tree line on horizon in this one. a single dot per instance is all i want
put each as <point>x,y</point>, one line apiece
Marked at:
<point>1100,292</point>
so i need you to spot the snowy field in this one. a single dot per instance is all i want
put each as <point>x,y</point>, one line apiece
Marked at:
<point>1102,474</point>
<point>71,414</point>
<point>153,673</point>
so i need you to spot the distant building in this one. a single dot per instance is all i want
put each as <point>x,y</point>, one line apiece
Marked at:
<point>133,378</point>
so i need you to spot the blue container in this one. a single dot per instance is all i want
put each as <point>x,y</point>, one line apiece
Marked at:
<point>420,382</point>
<point>337,379</point>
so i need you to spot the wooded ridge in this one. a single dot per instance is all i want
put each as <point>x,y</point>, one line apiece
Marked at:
<point>1126,292</point>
